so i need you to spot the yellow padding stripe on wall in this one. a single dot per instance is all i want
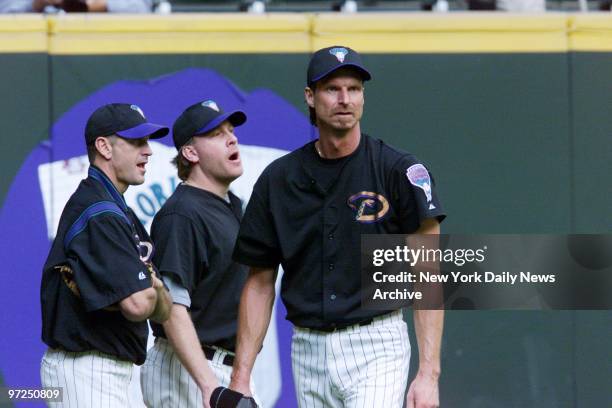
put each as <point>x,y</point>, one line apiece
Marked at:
<point>469,32</point>
<point>21,33</point>
<point>180,34</point>
<point>443,33</point>
<point>591,32</point>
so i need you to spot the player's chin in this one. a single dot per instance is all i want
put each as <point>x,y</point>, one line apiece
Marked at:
<point>234,167</point>
<point>137,179</point>
<point>345,124</point>
<point>235,172</point>
<point>232,173</point>
<point>344,121</point>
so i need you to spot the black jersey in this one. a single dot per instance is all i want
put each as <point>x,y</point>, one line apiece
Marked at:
<point>100,256</point>
<point>308,214</point>
<point>194,235</point>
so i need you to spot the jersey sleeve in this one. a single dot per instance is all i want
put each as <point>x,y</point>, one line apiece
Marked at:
<point>106,262</point>
<point>257,242</point>
<point>180,249</point>
<point>180,295</point>
<point>414,187</point>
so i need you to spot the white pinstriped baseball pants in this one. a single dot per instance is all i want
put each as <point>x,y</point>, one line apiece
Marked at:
<point>88,379</point>
<point>166,382</point>
<point>356,367</point>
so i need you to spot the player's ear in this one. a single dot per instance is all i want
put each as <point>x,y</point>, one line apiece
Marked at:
<point>190,154</point>
<point>104,147</point>
<point>309,96</point>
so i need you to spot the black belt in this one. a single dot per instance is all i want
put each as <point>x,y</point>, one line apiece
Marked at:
<point>209,352</point>
<point>334,327</point>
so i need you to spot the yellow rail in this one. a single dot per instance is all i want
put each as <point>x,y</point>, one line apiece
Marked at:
<point>390,33</point>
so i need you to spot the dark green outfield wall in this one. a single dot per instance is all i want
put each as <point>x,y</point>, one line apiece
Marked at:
<point>591,95</point>
<point>519,143</point>
<point>280,73</point>
<point>24,110</point>
<point>493,128</point>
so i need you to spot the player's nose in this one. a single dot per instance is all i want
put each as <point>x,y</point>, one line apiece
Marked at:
<point>343,96</point>
<point>232,139</point>
<point>146,149</point>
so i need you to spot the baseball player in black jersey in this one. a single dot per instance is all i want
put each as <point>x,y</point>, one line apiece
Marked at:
<point>194,234</point>
<point>307,213</point>
<point>99,286</point>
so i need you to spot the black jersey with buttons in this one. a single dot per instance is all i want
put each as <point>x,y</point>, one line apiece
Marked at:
<point>308,214</point>
<point>194,235</point>
<point>100,255</point>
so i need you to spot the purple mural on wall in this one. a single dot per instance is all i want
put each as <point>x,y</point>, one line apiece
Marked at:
<point>272,122</point>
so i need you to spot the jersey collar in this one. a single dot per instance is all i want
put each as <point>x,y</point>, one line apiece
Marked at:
<point>98,175</point>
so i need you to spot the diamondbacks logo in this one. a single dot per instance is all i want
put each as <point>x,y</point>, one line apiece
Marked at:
<point>340,53</point>
<point>369,207</point>
<point>137,109</point>
<point>419,177</point>
<point>146,250</point>
<point>210,104</point>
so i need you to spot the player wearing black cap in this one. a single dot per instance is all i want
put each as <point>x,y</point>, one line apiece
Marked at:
<point>194,234</point>
<point>99,285</point>
<point>307,212</point>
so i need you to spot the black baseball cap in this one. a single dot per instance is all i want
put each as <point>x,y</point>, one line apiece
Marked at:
<point>121,119</point>
<point>200,118</point>
<point>327,60</point>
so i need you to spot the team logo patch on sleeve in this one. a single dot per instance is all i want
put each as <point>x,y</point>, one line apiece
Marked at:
<point>339,53</point>
<point>419,177</point>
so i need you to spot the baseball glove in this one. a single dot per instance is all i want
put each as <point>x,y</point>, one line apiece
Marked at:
<point>223,397</point>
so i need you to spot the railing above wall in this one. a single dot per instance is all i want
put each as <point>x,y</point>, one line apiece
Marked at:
<point>302,33</point>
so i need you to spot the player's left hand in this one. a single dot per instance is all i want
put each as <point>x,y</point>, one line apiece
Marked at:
<point>423,392</point>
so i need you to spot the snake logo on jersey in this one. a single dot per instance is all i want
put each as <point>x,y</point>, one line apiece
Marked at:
<point>369,207</point>
<point>145,250</point>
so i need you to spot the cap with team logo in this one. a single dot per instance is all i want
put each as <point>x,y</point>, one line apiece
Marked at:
<point>121,119</point>
<point>200,118</point>
<point>327,60</point>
